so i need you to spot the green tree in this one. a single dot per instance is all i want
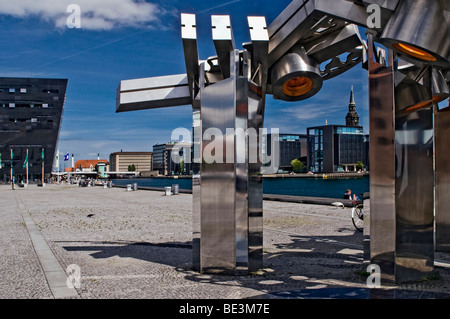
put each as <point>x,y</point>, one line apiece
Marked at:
<point>131,168</point>
<point>359,165</point>
<point>182,167</point>
<point>297,165</point>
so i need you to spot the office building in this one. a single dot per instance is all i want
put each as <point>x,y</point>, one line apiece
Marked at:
<point>121,161</point>
<point>163,161</point>
<point>338,148</point>
<point>291,146</point>
<point>30,119</point>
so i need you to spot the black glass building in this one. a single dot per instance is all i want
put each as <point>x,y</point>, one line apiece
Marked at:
<point>30,119</point>
<point>336,148</point>
<point>291,146</point>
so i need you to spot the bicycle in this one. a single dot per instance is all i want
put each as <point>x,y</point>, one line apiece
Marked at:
<point>358,214</point>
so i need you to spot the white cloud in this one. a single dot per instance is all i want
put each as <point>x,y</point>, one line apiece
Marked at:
<point>95,14</point>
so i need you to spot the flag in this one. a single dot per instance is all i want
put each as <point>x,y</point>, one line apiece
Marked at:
<point>25,163</point>
<point>12,155</point>
<point>66,157</point>
<point>42,154</point>
<point>0,160</point>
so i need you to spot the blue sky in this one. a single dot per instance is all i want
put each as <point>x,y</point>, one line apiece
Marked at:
<point>126,39</point>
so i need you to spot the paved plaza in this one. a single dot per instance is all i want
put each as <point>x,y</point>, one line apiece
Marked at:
<point>116,244</point>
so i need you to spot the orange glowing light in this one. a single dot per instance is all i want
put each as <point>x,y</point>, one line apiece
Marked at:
<point>414,52</point>
<point>297,86</point>
<point>418,106</point>
<point>438,98</point>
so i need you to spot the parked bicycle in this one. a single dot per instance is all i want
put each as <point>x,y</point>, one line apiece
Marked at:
<point>358,212</point>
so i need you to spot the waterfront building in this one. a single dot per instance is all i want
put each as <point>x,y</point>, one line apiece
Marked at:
<point>291,146</point>
<point>163,162</point>
<point>30,119</point>
<point>338,148</point>
<point>120,161</point>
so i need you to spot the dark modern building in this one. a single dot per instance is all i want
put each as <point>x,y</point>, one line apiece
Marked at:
<point>163,163</point>
<point>30,119</point>
<point>338,148</point>
<point>158,158</point>
<point>291,146</point>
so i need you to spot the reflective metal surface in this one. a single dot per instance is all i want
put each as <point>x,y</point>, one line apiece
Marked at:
<point>218,182</point>
<point>228,91</point>
<point>223,41</point>
<point>196,181</point>
<point>442,205</point>
<point>423,24</point>
<point>316,25</point>
<point>295,64</point>
<point>189,37</point>
<point>154,92</point>
<point>255,182</point>
<point>382,165</point>
<point>439,86</point>
<point>414,251</point>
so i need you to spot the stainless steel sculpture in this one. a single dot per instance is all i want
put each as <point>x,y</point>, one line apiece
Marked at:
<point>309,42</point>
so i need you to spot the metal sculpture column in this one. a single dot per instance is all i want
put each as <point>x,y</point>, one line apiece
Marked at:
<point>223,212</point>
<point>230,238</point>
<point>290,59</point>
<point>382,165</point>
<point>442,145</point>
<point>414,181</point>
<point>226,237</point>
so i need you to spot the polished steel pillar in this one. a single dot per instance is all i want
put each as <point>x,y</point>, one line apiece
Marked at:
<point>256,102</point>
<point>230,202</point>
<point>196,160</point>
<point>442,188</point>
<point>382,164</point>
<point>414,181</point>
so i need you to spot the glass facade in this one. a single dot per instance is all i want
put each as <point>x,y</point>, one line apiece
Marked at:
<point>348,130</point>
<point>30,118</point>
<point>336,148</point>
<point>291,146</point>
<point>316,149</point>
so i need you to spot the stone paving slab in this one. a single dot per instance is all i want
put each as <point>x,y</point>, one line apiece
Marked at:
<point>137,245</point>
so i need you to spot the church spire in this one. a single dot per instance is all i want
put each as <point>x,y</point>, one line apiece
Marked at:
<point>352,117</point>
<point>352,98</point>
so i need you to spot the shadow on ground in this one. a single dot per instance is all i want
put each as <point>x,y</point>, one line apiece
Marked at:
<point>306,267</point>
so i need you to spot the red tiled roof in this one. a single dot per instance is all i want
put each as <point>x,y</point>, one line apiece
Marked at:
<point>88,163</point>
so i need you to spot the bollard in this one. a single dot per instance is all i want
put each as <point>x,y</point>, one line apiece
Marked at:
<point>175,189</point>
<point>168,190</point>
<point>135,186</point>
<point>128,187</point>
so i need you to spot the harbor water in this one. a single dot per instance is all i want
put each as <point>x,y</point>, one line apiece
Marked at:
<point>314,187</point>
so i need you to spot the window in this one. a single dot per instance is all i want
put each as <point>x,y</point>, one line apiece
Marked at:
<point>12,90</point>
<point>12,105</point>
<point>50,91</point>
<point>23,90</point>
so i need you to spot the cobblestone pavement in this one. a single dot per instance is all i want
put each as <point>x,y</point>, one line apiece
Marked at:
<point>138,245</point>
